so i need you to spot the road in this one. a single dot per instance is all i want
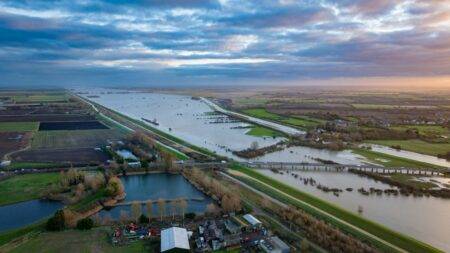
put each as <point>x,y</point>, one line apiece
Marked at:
<point>272,125</point>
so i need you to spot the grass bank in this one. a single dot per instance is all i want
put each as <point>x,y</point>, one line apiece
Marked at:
<point>25,187</point>
<point>395,238</point>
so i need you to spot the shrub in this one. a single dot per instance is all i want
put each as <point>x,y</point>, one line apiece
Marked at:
<point>190,216</point>
<point>85,224</point>
<point>143,219</point>
<point>57,222</point>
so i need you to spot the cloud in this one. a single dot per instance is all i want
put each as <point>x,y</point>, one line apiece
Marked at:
<point>194,40</point>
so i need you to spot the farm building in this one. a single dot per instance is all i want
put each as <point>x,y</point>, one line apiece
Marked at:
<point>174,239</point>
<point>252,220</point>
<point>274,245</point>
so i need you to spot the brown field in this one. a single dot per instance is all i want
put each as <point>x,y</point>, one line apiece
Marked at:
<point>48,118</point>
<point>73,155</point>
<point>12,141</point>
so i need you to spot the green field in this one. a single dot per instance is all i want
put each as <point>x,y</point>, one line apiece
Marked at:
<point>41,98</point>
<point>73,138</point>
<point>395,238</point>
<point>425,129</point>
<point>303,122</point>
<point>18,126</point>
<point>392,161</point>
<point>95,240</point>
<point>260,131</point>
<point>25,187</point>
<point>382,106</point>
<point>417,146</point>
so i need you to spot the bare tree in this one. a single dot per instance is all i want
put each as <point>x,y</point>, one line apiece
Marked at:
<point>183,206</point>
<point>124,217</point>
<point>149,208</point>
<point>136,210</point>
<point>162,207</point>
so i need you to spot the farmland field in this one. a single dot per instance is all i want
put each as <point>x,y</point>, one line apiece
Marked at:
<point>302,122</point>
<point>74,138</point>
<point>71,125</point>
<point>11,141</point>
<point>425,129</point>
<point>95,240</point>
<point>418,146</point>
<point>41,98</point>
<point>18,126</point>
<point>25,187</point>
<point>72,155</point>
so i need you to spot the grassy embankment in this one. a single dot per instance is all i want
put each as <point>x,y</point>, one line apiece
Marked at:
<point>393,161</point>
<point>19,126</point>
<point>303,122</point>
<point>395,238</point>
<point>25,187</point>
<point>95,240</point>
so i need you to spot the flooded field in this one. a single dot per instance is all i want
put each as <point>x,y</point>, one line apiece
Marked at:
<point>195,122</point>
<point>411,155</point>
<point>424,218</point>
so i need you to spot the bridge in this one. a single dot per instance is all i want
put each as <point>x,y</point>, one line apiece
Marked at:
<point>345,167</point>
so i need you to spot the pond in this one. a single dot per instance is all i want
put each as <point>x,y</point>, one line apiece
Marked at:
<point>156,186</point>
<point>195,122</point>
<point>25,213</point>
<point>424,218</point>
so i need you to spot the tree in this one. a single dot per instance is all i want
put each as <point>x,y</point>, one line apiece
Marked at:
<point>254,145</point>
<point>168,160</point>
<point>124,217</point>
<point>57,222</point>
<point>211,209</point>
<point>149,208</point>
<point>85,224</point>
<point>136,210</point>
<point>162,207</point>
<point>304,246</point>
<point>183,206</point>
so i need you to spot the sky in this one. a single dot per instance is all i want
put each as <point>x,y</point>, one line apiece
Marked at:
<point>207,42</point>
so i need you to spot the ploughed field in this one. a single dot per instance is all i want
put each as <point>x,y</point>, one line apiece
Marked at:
<point>71,125</point>
<point>48,129</point>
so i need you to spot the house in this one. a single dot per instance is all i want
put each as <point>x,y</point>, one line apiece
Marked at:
<point>174,239</point>
<point>274,245</point>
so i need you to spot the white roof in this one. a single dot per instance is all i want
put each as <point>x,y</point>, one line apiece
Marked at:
<point>251,219</point>
<point>174,237</point>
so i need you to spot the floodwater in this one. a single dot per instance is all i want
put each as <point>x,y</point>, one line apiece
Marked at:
<point>25,213</point>
<point>159,186</point>
<point>424,218</point>
<point>411,155</point>
<point>195,122</point>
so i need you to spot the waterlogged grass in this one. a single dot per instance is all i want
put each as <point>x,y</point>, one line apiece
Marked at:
<point>417,146</point>
<point>260,131</point>
<point>18,126</point>
<point>393,161</point>
<point>395,238</point>
<point>25,187</point>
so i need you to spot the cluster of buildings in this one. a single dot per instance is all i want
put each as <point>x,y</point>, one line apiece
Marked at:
<point>243,232</point>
